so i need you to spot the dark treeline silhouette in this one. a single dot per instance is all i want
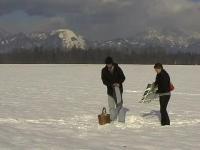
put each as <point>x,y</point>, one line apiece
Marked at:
<point>96,56</point>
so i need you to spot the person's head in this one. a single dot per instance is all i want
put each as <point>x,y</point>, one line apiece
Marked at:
<point>158,67</point>
<point>109,62</point>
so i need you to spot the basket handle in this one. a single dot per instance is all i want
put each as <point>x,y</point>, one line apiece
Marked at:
<point>104,111</point>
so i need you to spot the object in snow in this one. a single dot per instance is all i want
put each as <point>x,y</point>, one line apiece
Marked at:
<point>120,110</point>
<point>104,118</point>
<point>149,94</point>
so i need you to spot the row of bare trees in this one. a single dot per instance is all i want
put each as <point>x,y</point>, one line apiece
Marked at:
<point>96,56</point>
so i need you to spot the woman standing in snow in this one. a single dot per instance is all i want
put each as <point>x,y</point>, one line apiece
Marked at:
<point>163,83</point>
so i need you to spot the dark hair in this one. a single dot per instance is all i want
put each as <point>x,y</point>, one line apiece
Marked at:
<point>158,66</point>
<point>108,60</point>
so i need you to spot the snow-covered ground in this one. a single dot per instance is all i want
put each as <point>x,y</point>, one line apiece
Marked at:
<point>55,107</point>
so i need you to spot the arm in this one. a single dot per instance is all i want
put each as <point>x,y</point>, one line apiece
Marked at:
<point>104,79</point>
<point>156,81</point>
<point>122,76</point>
<point>168,78</point>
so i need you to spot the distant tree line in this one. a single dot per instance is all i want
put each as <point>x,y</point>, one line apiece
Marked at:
<point>97,56</point>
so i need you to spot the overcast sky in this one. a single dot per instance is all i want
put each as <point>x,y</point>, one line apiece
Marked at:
<point>99,19</point>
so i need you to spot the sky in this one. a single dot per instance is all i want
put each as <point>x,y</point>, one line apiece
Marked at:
<point>99,19</point>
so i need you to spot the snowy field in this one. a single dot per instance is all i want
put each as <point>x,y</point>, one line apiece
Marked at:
<point>55,107</point>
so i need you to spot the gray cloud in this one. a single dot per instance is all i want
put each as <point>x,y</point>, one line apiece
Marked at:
<point>100,19</point>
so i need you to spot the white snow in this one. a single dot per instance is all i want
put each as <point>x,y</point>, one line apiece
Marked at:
<point>55,107</point>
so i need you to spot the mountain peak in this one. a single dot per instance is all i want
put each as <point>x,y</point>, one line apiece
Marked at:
<point>63,32</point>
<point>67,39</point>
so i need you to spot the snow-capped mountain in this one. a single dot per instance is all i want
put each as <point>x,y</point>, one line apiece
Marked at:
<point>168,39</point>
<point>3,37</point>
<point>171,40</point>
<point>19,40</point>
<point>62,39</point>
<point>65,39</point>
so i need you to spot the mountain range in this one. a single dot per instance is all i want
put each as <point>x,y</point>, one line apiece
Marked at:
<point>170,40</point>
<point>65,39</point>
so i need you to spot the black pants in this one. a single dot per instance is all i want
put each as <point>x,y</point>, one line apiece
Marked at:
<point>163,110</point>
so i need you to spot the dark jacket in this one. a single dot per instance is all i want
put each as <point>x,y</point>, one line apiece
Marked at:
<point>110,78</point>
<point>163,82</point>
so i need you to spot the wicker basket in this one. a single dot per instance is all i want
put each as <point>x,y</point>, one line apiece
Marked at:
<point>104,118</point>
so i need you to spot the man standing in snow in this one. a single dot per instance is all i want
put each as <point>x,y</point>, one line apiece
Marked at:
<point>163,83</point>
<point>113,77</point>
